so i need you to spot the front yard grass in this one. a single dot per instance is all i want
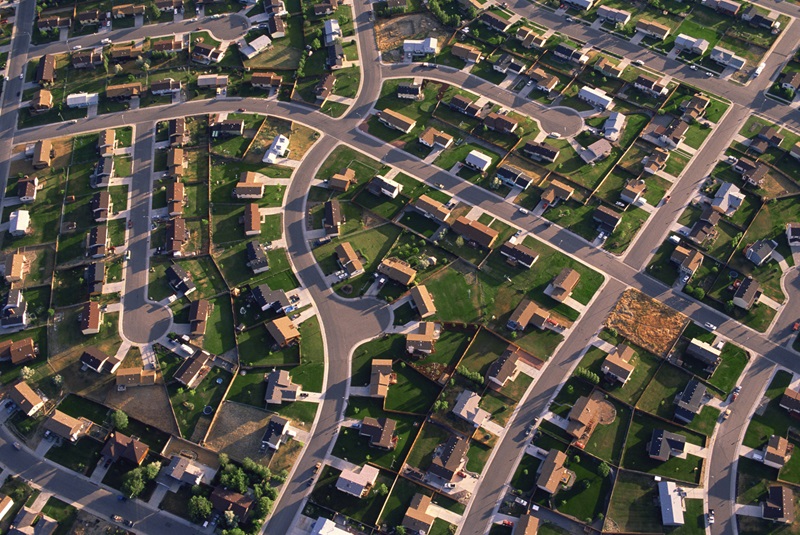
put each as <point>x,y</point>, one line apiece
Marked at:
<point>607,440</point>
<point>80,457</point>
<point>734,360</point>
<point>219,336</point>
<point>364,510</point>
<point>430,436</point>
<point>658,397</point>
<point>413,393</point>
<point>589,495</point>
<point>646,367</point>
<point>774,420</point>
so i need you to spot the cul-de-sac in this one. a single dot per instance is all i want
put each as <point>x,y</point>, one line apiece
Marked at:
<point>399,267</point>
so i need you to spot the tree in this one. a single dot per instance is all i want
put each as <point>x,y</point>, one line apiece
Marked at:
<point>152,469</point>
<point>117,68</point>
<point>400,530</point>
<point>26,373</point>
<point>315,44</point>
<point>263,507</point>
<point>133,483</point>
<point>231,519</point>
<point>699,293</point>
<point>119,420</point>
<point>153,13</point>
<point>604,469</point>
<point>460,241</point>
<point>234,478</point>
<point>382,489</point>
<point>57,380</point>
<point>199,508</point>
<point>224,459</point>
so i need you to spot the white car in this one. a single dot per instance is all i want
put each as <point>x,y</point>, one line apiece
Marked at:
<point>710,74</point>
<point>77,47</point>
<point>638,62</point>
<point>693,67</point>
<point>554,135</point>
<point>710,326</point>
<point>106,41</point>
<point>449,485</point>
<point>21,75</point>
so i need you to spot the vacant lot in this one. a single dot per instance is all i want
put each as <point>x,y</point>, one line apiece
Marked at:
<point>646,322</point>
<point>238,431</point>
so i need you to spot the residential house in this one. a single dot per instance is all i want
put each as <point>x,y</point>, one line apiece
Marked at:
<point>206,54</point>
<point>91,318</point>
<point>768,137</point>
<point>672,135</point>
<point>381,377</point>
<point>17,266</point>
<point>422,300</point>
<point>727,58</point>
<point>704,231</point>
<point>540,152</point>
<point>608,68</point>
<point>617,365</point>
<point>176,198</point>
<point>651,86</point>
<point>564,283</point>
<point>265,80</point>
<point>513,176</point>
<point>324,88</point>
<point>7,503</point>
<point>283,331</point>
<point>449,458</point>
<point>726,7</point>
<point>180,280</point>
<point>127,10</point>
<point>614,16</point>
<point>670,500</point>
<point>332,218</point>
<point>421,47</point>
<point>63,426</point>
<point>653,29</point>
<point>633,190</point>
<point>527,312</point>
<point>125,53</point>
<point>555,192</point>
<point>88,59</point>
<point>606,219</point>
<point>223,500</point>
<point>133,377</point>
<point>266,298</point>
<point>198,315</point>
<point>526,524</point>
<point>93,358</point>
<point>552,472</point>
<point>756,19</point>
<point>433,209</point>
<point>500,123</point>
<point>664,444</point>
<point>24,397</point>
<point>777,452</point>
<point>793,234</point>
<point>581,5</point>
<point>193,370</point>
<point>104,170</point>
<point>15,311</point>
<point>335,56</point>
<point>177,132</point>
<point>342,181</point>
<point>45,24</point>
<point>779,505</point>
<point>101,206</point>
<point>687,259</point>
<point>689,402</point>
<point>747,293</point>
<point>530,39</point>
<point>107,142</point>
<point>257,259</point>
<point>381,432</point>
<point>18,351</point>
<point>280,388</point>
<point>475,232</point>
<point>185,470</point>
<point>327,7</point>
<point>397,121</point>
<point>613,125</point>
<point>434,138</point>
<point>464,105</point>
<point>119,446</point>
<point>655,161</point>
<point>596,97</point>
<point>43,154</point>
<point>90,16</point>
<point>519,255</point>
<point>704,353</point>
<point>123,91</point>
<point>494,21</point>
<point>687,43</point>
<point>331,31</point>
<point>466,408</point>
<point>276,28</point>
<point>790,401</point>
<point>694,108</point>
<point>760,251</point>
<point>254,47</point>
<point>248,187</point>
<point>380,185</point>
<point>568,53</point>
<point>423,340</point>
<point>790,81</point>
<point>28,522</point>
<point>503,369</point>
<point>410,91</point>
<point>398,270</point>
<point>19,223</point>
<point>252,219</point>
<point>357,482</point>
<point>752,172</point>
<point>583,418</point>
<point>468,53</point>
<point>177,236</point>
<point>348,260</point>
<point>507,63</point>
<point>167,86</point>
<point>276,433</point>
<point>41,102</point>
<point>417,519</point>
<point>46,70</point>
<point>542,80</point>
<point>217,81</point>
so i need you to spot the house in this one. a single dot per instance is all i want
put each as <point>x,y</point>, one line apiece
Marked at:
<point>324,88</point>
<point>93,358</point>
<point>581,5</point>
<point>276,433</point>
<point>15,311</point>
<point>180,280</point>
<point>103,172</point>
<point>526,524</point>
<point>86,60</point>
<point>176,198</point>
<point>123,91</point>
<point>254,47</point>
<point>613,125</point>
<point>633,190</point>
<point>283,331</point>
<point>332,218</point>
<point>726,7</point>
<point>423,301</point>
<point>507,63</point>
<point>127,10</point>
<point>325,8</point>
<point>519,255</point>
<point>380,432</point>
<point>777,452</point>
<point>599,150</point>
<point>756,19</point>
<point>107,142</point>
<point>29,522</point>
<point>790,401</point>
<point>655,161</point>
<point>694,108</point>
<point>423,341</point>
<point>398,270</point>
<point>53,23</point>
<point>747,293</point>
<point>380,185</point>
<point>500,123</point>
<point>466,408</point>
<point>542,80</point>
<point>503,369</point>
<point>342,181</point>
<point>564,283</point>
<point>257,259</point>
<point>18,351</point>
<point>760,251</point>
<point>753,173</point>
<point>433,209</point>
<point>410,91</point>
<point>664,444</point>
<point>217,81</point>
<point>583,417</point>
<point>17,266</point>
<point>335,53</point>
<point>348,259</point>
<point>280,388</point>
<point>185,470</point>
<point>689,402</point>
<point>768,137</point>
<point>552,472</point>
<point>63,426</point>
<point>530,39</point>
<point>397,121</point>
<point>651,86</point>
<point>91,318</point>
<point>687,43</point>
<point>513,176</point>
<point>793,233</point>
<point>688,260</point>
<point>420,47</point>
<point>42,154</point>
<point>433,138</point>
<point>475,232</point>
<point>177,132</point>
<point>464,105</point>
<point>119,446</point>
<point>279,148</point>
<point>607,68</point>
<point>614,16</point>
<point>133,377</point>
<point>653,29</point>
<point>28,401</point>
<point>7,503</point>
<point>704,353</point>
<point>323,526</point>
<point>193,370</point>
<point>568,53</point>
<point>673,135</point>
<point>223,500</point>
<point>381,377</point>
<point>357,482</point>
<point>167,86</point>
<point>617,364</point>
<point>177,236</point>
<point>252,219</point>
<point>91,16</point>
<point>596,97</point>
<point>125,53</point>
<point>478,161</point>
<point>331,31</point>
<point>248,187</point>
<point>19,222</point>
<point>42,101</point>
<point>468,53</point>
<point>101,206</point>
<point>527,312</point>
<point>540,152</point>
<point>727,58</point>
<point>494,21</point>
<point>205,54</point>
<point>449,458</point>
<point>670,499</point>
<point>198,315</point>
<point>265,80</point>
<point>46,70</point>
<point>705,229</point>
<point>276,27</point>
<point>779,505</point>
<point>416,519</point>
<point>791,81</point>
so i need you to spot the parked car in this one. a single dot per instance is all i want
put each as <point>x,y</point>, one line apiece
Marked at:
<point>449,485</point>
<point>710,326</point>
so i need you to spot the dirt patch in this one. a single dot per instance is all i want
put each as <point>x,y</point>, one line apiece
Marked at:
<point>238,431</point>
<point>148,404</point>
<point>391,33</point>
<point>87,524</point>
<point>646,322</point>
<point>179,446</point>
<point>87,383</point>
<point>285,457</point>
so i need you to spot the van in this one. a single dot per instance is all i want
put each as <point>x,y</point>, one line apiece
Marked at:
<point>523,211</point>
<point>675,238</point>
<point>759,69</point>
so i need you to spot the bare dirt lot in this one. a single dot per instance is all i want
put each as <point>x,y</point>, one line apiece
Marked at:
<point>238,430</point>
<point>87,524</point>
<point>646,322</point>
<point>148,404</point>
<point>391,33</point>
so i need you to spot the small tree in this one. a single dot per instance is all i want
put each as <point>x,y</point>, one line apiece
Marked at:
<point>133,483</point>
<point>231,519</point>
<point>382,489</point>
<point>119,420</point>
<point>57,380</point>
<point>460,241</point>
<point>199,508</point>
<point>604,469</point>
<point>400,530</point>
<point>224,459</point>
<point>152,469</point>
<point>26,373</point>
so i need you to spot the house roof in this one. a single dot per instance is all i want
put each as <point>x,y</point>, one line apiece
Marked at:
<point>417,519</point>
<point>703,351</point>
<point>90,317</point>
<point>192,368</point>
<point>424,339</point>
<point>499,122</point>
<point>397,270</point>
<point>778,450</point>
<point>791,400</point>
<point>467,407</point>
<point>552,471</point>
<point>582,416</point>
<point>119,446</point>
<point>280,387</point>
<point>25,397</point>
<point>525,313</point>
<point>527,524</point>
<point>397,120</point>
<point>747,290</point>
<point>779,504</point>
<point>449,457</point>
<point>227,500</point>
<point>607,217</point>
<point>93,357</point>
<point>283,330</point>
<point>432,136</point>
<point>619,361</point>
<point>686,257</point>
<point>664,443</point>
<point>380,377</point>
<point>504,367</point>
<point>135,376</point>
<point>652,27</point>
<point>355,482</point>
<point>432,207</point>
<point>690,401</point>
<point>474,230</point>
<point>521,253</point>
<point>564,283</point>
<point>348,258</point>
<point>671,503</point>
<point>557,190</point>
<point>341,181</point>
<point>62,424</point>
<point>380,431</point>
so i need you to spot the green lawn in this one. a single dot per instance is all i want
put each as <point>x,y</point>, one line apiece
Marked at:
<point>485,349</point>
<point>588,496</point>
<point>734,359</point>
<point>607,440</point>
<point>645,368</point>
<point>80,457</point>
<point>219,336</point>
<point>430,436</point>
<point>412,393</point>
<point>774,420</point>
<point>364,510</point>
<point>303,412</point>
<point>311,371</point>
<point>659,395</point>
<point>477,455</point>
<point>61,512</point>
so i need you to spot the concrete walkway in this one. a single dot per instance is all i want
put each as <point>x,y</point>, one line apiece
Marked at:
<point>360,391</point>
<point>440,512</point>
<point>697,451</point>
<point>40,500</point>
<point>771,303</point>
<point>158,495</point>
<point>744,451</point>
<point>493,427</point>
<point>341,464</point>
<point>747,510</point>
<point>556,420</point>
<point>602,344</point>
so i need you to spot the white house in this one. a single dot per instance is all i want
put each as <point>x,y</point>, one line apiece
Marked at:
<point>692,44</point>
<point>81,100</point>
<point>19,222</point>
<point>421,47</point>
<point>671,503</point>
<point>596,97</point>
<point>612,128</point>
<point>331,31</point>
<point>278,149</point>
<point>478,160</point>
<point>254,47</point>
